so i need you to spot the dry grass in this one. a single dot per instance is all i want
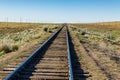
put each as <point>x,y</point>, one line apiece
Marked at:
<point>23,42</point>
<point>87,64</point>
<point>14,35</point>
<point>104,25</point>
<point>102,43</point>
<point>12,27</point>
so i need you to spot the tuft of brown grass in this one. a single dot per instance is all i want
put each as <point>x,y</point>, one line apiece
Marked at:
<point>5,48</point>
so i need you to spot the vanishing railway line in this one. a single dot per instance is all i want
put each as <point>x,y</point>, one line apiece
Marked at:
<point>51,61</point>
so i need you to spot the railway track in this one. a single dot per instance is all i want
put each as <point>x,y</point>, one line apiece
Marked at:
<point>50,61</point>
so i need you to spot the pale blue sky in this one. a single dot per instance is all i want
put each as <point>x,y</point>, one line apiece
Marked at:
<point>64,11</point>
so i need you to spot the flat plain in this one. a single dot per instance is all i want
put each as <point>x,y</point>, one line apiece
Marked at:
<point>96,45</point>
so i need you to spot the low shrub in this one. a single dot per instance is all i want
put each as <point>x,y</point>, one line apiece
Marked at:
<point>50,31</point>
<point>17,38</point>
<point>110,37</point>
<point>55,27</point>
<point>73,28</point>
<point>45,29</point>
<point>5,48</point>
<point>83,33</point>
<point>14,47</point>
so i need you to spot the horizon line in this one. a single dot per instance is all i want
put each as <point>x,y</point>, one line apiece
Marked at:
<point>54,22</point>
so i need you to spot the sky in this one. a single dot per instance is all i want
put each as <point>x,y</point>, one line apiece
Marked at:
<point>60,11</point>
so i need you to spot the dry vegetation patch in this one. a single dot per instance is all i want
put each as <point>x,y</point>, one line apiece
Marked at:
<point>21,42</point>
<point>87,64</point>
<point>101,44</point>
<point>15,35</point>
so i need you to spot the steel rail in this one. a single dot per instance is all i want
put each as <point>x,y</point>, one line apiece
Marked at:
<point>69,55</point>
<point>15,73</point>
